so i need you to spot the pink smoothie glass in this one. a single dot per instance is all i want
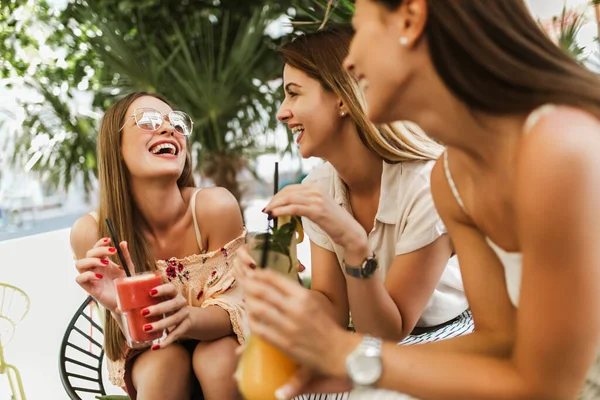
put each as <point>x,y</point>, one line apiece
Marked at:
<point>133,296</point>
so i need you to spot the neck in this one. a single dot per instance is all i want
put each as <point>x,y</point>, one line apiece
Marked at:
<point>161,204</point>
<point>484,137</point>
<point>357,166</point>
<point>489,140</point>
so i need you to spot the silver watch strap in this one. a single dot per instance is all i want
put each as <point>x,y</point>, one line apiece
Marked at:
<point>371,346</point>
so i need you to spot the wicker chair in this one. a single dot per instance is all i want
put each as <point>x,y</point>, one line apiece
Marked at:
<point>81,353</point>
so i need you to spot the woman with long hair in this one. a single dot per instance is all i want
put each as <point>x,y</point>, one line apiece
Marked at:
<point>517,188</point>
<point>374,187</point>
<point>147,190</point>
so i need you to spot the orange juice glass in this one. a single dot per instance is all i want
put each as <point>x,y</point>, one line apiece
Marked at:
<point>263,368</point>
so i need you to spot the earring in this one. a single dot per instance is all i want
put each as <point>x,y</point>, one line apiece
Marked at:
<point>343,113</point>
<point>403,41</point>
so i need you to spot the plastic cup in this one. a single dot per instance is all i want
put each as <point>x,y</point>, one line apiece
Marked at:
<point>133,296</point>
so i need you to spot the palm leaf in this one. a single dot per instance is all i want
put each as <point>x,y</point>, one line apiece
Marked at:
<point>316,15</point>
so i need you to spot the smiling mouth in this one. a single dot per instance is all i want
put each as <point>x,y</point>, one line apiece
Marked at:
<point>298,129</point>
<point>164,149</point>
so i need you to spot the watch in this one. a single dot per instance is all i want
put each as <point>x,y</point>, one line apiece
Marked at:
<point>365,270</point>
<point>364,363</point>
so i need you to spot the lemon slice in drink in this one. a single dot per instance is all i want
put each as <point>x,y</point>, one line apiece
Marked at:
<point>285,219</point>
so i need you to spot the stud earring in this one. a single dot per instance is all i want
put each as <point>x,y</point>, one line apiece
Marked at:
<point>403,41</point>
<point>343,113</point>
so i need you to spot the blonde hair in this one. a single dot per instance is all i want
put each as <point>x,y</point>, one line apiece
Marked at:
<point>320,55</point>
<point>116,203</point>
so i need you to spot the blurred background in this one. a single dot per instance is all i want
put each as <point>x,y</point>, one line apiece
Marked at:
<point>62,63</point>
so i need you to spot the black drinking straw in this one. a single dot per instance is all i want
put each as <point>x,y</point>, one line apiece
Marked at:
<point>265,252</point>
<point>117,245</point>
<point>275,187</point>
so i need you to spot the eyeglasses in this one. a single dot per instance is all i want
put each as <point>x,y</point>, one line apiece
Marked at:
<point>149,119</point>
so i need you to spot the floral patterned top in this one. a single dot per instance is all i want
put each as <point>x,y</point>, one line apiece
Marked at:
<point>205,280</point>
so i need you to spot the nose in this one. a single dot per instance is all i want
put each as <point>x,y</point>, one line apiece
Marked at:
<point>166,127</point>
<point>284,114</point>
<point>349,65</point>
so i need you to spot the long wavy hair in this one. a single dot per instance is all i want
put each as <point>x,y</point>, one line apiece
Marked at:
<point>320,55</point>
<point>117,204</point>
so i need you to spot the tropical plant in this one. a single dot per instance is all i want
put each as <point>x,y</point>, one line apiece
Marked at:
<point>215,77</point>
<point>52,139</point>
<point>318,13</point>
<point>596,5</point>
<point>214,62</point>
<point>563,30</point>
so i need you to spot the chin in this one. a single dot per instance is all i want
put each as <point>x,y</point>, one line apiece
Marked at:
<point>381,109</point>
<point>167,173</point>
<point>305,152</point>
<point>376,116</point>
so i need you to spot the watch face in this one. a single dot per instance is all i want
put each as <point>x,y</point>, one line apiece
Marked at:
<point>364,370</point>
<point>370,267</point>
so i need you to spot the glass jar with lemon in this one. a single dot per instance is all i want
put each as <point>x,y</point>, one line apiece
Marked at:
<point>263,368</point>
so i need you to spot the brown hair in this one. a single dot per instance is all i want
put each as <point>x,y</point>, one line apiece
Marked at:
<point>320,55</point>
<point>116,203</point>
<point>496,58</point>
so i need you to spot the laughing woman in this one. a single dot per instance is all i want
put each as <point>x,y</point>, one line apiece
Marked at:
<point>517,189</point>
<point>189,235</point>
<point>371,196</point>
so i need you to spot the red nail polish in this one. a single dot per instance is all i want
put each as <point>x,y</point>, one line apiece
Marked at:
<point>145,312</point>
<point>99,276</point>
<point>156,347</point>
<point>105,240</point>
<point>147,327</point>
<point>112,249</point>
<point>263,210</point>
<point>252,266</point>
<point>105,262</point>
<point>153,292</point>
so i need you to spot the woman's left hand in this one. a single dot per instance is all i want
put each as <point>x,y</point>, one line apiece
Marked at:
<point>308,201</point>
<point>288,315</point>
<point>177,315</point>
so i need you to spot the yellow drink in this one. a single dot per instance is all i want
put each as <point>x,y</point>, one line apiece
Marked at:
<point>263,368</point>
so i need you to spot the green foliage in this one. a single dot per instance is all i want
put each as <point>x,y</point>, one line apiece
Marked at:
<point>568,24</point>
<point>318,13</point>
<point>280,238</point>
<point>212,60</point>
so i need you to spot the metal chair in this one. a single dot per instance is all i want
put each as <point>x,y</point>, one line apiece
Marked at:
<point>14,306</point>
<point>81,353</point>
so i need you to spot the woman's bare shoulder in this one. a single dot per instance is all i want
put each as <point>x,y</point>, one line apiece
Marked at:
<point>558,166</point>
<point>219,214</point>
<point>216,200</point>
<point>84,235</point>
<point>565,138</point>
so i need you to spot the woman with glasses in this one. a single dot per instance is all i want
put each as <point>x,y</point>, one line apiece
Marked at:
<point>517,187</point>
<point>189,235</point>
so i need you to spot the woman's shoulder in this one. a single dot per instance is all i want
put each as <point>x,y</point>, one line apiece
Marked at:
<point>559,136</point>
<point>215,199</point>
<point>417,168</point>
<point>219,214</point>
<point>84,234</point>
<point>408,173</point>
<point>561,120</point>
<point>86,222</point>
